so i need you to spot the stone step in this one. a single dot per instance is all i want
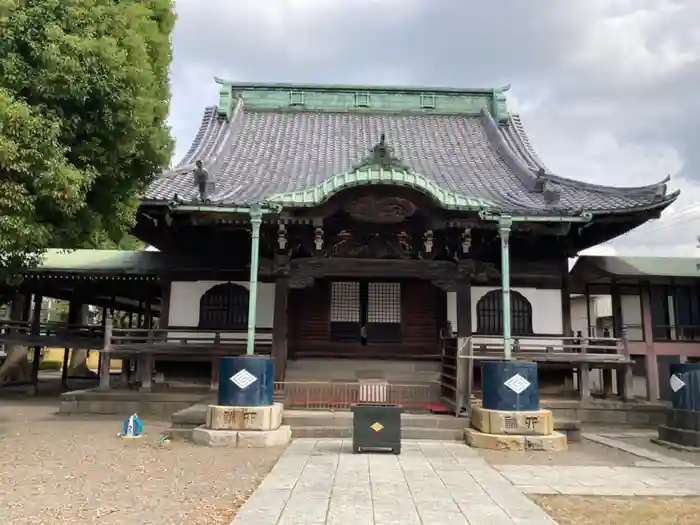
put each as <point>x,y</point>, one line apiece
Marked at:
<point>306,418</point>
<point>179,434</point>
<point>438,434</point>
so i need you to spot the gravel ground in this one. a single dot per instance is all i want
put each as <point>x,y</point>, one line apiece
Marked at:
<point>75,470</point>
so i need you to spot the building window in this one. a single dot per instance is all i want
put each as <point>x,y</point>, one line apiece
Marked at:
<point>489,314</point>
<point>296,98</point>
<point>224,307</point>
<point>365,313</point>
<point>675,312</point>
<point>427,101</point>
<point>345,312</point>
<point>362,100</point>
<point>384,312</point>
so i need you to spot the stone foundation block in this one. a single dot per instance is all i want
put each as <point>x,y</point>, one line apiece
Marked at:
<point>679,436</point>
<point>534,423</point>
<point>554,442</point>
<point>278,437</point>
<point>683,419</point>
<point>254,418</point>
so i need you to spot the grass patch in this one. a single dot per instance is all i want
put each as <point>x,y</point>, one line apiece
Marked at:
<point>590,510</point>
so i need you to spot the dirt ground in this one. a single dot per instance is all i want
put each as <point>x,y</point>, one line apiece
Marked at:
<point>583,453</point>
<point>75,470</point>
<point>583,510</point>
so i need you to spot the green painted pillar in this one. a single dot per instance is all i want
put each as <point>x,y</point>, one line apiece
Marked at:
<point>255,222</point>
<point>504,226</point>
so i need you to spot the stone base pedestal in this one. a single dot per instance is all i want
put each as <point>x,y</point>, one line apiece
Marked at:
<point>278,437</point>
<point>533,423</point>
<point>243,426</point>
<point>514,430</point>
<point>244,418</point>
<point>554,442</point>
<point>682,428</point>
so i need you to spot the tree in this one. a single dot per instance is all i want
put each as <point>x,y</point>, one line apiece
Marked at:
<point>84,98</point>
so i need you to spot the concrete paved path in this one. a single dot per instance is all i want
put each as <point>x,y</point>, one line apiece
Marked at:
<point>604,481</point>
<point>320,482</point>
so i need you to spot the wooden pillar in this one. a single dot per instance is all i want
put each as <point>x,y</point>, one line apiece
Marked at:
<point>36,330</point>
<point>566,306</point>
<point>164,317</point>
<point>75,308</point>
<point>279,329</point>
<point>145,360</point>
<point>618,331</point>
<point>105,377</point>
<point>589,312</point>
<point>651,363</point>
<point>465,367</point>
<point>464,309</point>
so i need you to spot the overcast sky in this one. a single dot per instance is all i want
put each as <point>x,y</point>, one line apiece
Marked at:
<point>609,90</point>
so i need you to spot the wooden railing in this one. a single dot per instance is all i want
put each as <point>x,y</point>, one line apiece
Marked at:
<point>461,355</point>
<point>129,340</point>
<point>26,333</point>
<point>183,339</point>
<point>681,333</point>
<point>315,395</point>
<point>554,349</point>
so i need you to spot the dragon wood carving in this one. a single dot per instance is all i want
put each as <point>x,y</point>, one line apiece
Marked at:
<point>387,210</point>
<point>372,246</point>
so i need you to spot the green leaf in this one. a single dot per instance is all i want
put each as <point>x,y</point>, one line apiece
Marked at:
<point>84,98</point>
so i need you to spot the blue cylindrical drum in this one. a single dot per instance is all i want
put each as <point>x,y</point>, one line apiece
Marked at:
<point>685,385</point>
<point>510,386</point>
<point>247,380</point>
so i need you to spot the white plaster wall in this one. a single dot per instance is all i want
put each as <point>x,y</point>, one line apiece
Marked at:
<point>185,297</point>
<point>601,306</point>
<point>547,316</point>
<point>452,309</point>
<point>579,315</point>
<point>546,308</point>
<point>632,317</point>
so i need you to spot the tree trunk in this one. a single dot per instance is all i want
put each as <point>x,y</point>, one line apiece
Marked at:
<point>78,364</point>
<point>16,367</point>
<point>77,367</point>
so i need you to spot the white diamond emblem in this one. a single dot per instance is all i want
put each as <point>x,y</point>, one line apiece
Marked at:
<point>517,384</point>
<point>243,379</point>
<point>676,383</point>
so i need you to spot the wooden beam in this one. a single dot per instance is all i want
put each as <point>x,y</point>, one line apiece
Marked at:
<point>279,329</point>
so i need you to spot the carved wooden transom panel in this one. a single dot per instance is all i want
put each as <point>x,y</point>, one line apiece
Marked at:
<point>387,210</point>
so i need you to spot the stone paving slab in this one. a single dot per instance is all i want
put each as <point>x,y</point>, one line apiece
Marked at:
<point>614,441</point>
<point>604,481</point>
<point>320,482</point>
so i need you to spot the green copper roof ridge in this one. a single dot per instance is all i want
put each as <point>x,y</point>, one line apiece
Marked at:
<point>362,87</point>
<point>368,175</point>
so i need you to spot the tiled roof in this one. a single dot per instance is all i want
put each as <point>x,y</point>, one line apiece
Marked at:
<point>258,153</point>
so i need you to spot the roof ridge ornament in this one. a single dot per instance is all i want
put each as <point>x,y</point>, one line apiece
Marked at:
<point>382,156</point>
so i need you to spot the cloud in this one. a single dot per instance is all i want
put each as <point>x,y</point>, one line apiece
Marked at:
<point>607,88</point>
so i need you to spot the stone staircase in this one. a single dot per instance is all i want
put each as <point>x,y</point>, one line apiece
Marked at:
<point>318,424</point>
<point>323,424</point>
<point>352,370</point>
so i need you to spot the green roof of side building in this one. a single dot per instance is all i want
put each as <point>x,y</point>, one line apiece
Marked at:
<point>630,266</point>
<point>293,143</point>
<point>151,263</point>
<point>120,262</point>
